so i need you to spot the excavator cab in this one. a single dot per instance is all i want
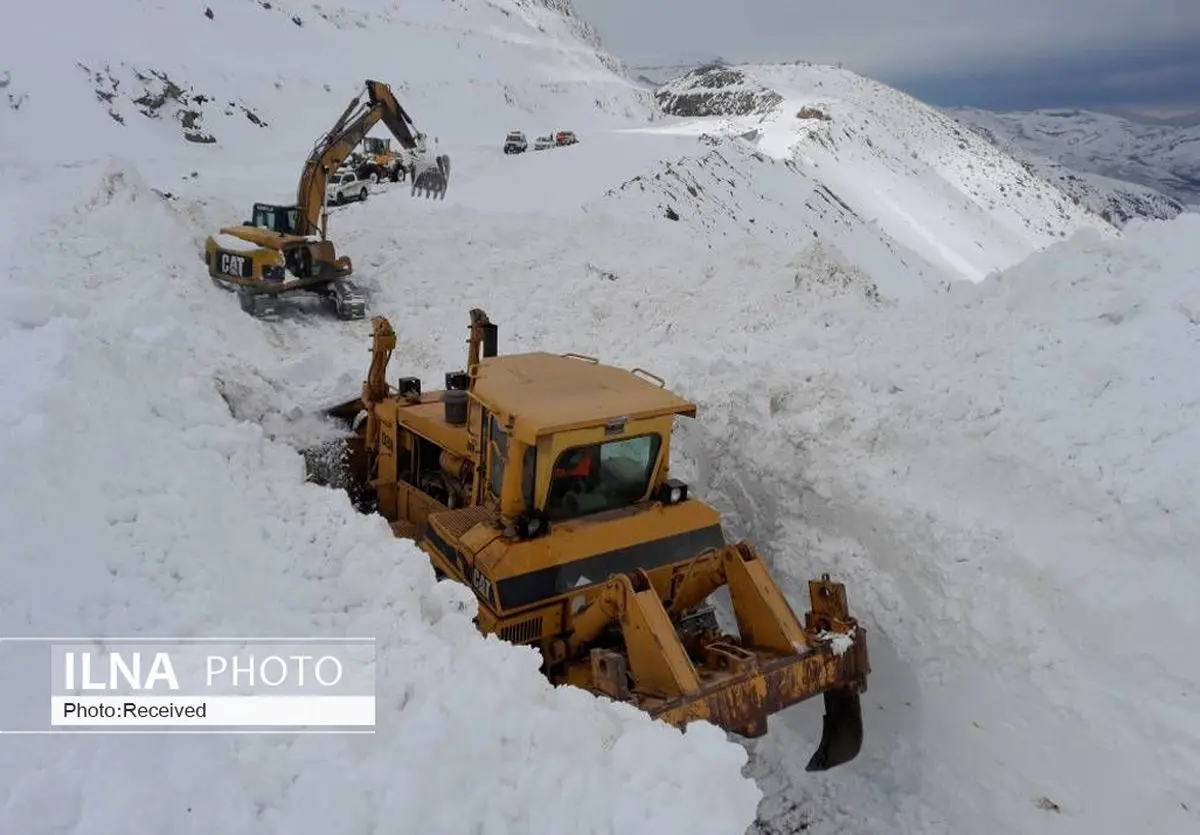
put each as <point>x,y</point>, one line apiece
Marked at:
<point>281,219</point>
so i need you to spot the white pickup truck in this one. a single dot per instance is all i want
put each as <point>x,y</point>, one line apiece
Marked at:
<point>344,186</point>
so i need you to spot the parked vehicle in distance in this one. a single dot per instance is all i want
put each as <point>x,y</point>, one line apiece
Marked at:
<point>565,137</point>
<point>515,143</point>
<point>344,186</point>
<point>544,142</point>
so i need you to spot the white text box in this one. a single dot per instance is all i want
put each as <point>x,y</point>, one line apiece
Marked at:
<point>231,711</point>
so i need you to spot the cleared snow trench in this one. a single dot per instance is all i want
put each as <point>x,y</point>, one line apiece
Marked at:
<point>184,520</point>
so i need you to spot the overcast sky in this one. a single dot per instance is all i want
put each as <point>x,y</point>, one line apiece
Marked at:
<point>986,53</point>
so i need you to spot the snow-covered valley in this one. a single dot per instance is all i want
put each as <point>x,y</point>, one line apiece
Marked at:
<point>1154,169</point>
<point>919,368</point>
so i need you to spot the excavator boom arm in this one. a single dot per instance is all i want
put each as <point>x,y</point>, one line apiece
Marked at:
<point>339,142</point>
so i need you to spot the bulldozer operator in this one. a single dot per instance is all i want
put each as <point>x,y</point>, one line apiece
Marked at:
<point>576,475</point>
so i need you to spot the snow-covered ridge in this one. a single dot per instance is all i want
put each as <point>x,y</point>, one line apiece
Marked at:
<point>717,90</point>
<point>925,181</point>
<point>1165,158</point>
<point>726,191</point>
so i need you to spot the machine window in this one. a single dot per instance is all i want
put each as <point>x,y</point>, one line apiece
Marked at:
<point>591,479</point>
<point>498,457</point>
<point>528,475</point>
<point>276,218</point>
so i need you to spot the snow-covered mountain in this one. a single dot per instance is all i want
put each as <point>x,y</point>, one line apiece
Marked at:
<point>1118,201</point>
<point>999,470</point>
<point>891,162</point>
<point>656,75</point>
<point>1162,157</point>
<point>258,79</point>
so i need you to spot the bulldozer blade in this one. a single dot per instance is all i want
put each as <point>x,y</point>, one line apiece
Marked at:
<point>842,731</point>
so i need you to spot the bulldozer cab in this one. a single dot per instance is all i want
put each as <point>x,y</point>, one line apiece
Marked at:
<point>281,219</point>
<point>569,439</point>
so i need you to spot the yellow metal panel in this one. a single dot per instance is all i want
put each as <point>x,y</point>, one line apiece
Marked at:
<point>550,393</point>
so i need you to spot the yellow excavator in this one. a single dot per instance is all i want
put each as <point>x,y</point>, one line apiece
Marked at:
<point>284,249</point>
<point>542,482</point>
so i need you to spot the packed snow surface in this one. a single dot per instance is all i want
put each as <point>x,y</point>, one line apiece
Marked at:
<point>1002,472</point>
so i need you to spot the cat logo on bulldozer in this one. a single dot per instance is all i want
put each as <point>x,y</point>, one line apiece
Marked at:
<point>236,265</point>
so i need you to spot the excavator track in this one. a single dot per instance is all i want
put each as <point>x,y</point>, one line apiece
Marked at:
<point>258,305</point>
<point>349,300</point>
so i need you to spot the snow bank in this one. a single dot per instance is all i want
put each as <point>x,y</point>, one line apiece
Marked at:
<point>137,504</point>
<point>1005,479</point>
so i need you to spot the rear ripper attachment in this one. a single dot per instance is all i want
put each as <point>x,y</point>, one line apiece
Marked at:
<point>542,482</point>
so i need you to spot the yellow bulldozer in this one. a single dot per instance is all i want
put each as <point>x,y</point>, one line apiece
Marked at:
<point>542,482</point>
<point>257,257</point>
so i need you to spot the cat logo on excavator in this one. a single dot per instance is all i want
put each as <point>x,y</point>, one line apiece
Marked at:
<point>542,482</point>
<point>235,265</point>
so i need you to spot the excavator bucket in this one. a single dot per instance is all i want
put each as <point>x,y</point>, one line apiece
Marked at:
<point>433,180</point>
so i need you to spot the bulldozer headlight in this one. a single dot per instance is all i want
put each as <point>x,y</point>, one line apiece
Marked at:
<point>673,491</point>
<point>409,386</point>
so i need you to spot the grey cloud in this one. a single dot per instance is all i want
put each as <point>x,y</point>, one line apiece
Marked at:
<point>921,39</point>
<point>1156,79</point>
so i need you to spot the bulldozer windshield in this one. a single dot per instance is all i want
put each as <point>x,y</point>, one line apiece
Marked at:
<point>598,477</point>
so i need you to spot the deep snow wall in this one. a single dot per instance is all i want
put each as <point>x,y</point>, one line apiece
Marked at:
<point>1003,476</point>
